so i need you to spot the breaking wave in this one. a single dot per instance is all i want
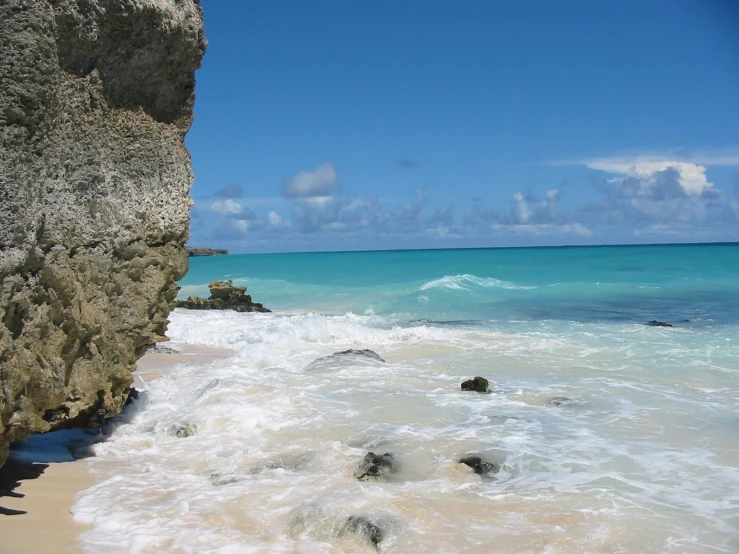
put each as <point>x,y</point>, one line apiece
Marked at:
<point>469,282</point>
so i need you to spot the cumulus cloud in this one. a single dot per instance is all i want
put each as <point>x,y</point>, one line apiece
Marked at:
<point>527,208</point>
<point>226,207</point>
<point>646,173</point>
<point>274,218</point>
<point>322,181</point>
<point>641,197</point>
<point>230,191</point>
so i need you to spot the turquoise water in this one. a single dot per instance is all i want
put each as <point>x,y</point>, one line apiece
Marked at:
<point>612,436</point>
<point>578,284</point>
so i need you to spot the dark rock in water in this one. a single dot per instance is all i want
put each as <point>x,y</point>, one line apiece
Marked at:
<point>369,354</point>
<point>132,394</point>
<point>375,467</point>
<point>363,527</point>
<point>223,296</point>
<point>479,466</point>
<point>478,384</point>
<point>655,323</point>
<point>183,431</point>
<point>365,352</point>
<point>560,401</point>
<point>193,252</point>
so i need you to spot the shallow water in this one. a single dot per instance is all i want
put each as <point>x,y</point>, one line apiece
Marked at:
<point>643,457</point>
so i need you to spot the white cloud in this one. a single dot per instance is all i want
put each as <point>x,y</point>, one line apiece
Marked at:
<point>321,182</point>
<point>226,207</point>
<point>521,209</point>
<point>691,177</point>
<point>240,225</point>
<point>274,218</point>
<point>526,208</point>
<point>576,229</point>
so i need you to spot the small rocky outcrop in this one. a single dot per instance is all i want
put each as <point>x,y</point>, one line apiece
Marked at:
<point>655,323</point>
<point>96,97</point>
<point>375,467</point>
<point>223,296</point>
<point>363,527</point>
<point>479,466</point>
<point>478,384</point>
<point>193,252</point>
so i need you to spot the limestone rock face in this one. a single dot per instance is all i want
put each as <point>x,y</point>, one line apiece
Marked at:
<point>95,99</point>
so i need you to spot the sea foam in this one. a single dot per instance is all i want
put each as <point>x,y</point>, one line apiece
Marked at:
<point>268,461</point>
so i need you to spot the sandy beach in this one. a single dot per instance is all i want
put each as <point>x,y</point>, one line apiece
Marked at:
<point>35,503</point>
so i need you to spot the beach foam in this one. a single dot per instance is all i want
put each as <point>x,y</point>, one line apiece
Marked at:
<point>611,435</point>
<point>270,465</point>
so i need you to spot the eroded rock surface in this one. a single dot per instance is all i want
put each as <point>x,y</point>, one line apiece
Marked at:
<point>95,101</point>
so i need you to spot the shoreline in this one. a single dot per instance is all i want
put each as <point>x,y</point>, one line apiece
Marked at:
<point>41,479</point>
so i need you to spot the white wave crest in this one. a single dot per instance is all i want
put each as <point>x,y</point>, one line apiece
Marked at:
<point>468,281</point>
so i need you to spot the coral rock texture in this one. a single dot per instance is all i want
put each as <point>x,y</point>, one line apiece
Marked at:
<point>95,99</point>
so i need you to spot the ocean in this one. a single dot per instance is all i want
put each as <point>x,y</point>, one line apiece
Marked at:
<point>608,435</point>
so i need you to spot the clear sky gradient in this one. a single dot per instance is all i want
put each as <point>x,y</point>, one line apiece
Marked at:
<point>339,125</point>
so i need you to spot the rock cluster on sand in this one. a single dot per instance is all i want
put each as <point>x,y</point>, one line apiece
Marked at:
<point>96,97</point>
<point>223,296</point>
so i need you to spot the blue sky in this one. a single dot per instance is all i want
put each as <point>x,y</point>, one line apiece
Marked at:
<point>335,125</point>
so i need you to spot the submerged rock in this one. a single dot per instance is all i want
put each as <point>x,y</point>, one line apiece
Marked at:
<point>655,323</point>
<point>221,479</point>
<point>375,467</point>
<point>363,527</point>
<point>348,354</point>
<point>223,296</point>
<point>366,353</point>
<point>96,99</point>
<point>478,384</point>
<point>183,431</point>
<point>479,466</point>
<point>560,401</point>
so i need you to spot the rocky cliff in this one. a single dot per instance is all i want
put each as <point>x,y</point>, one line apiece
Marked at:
<point>95,99</point>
